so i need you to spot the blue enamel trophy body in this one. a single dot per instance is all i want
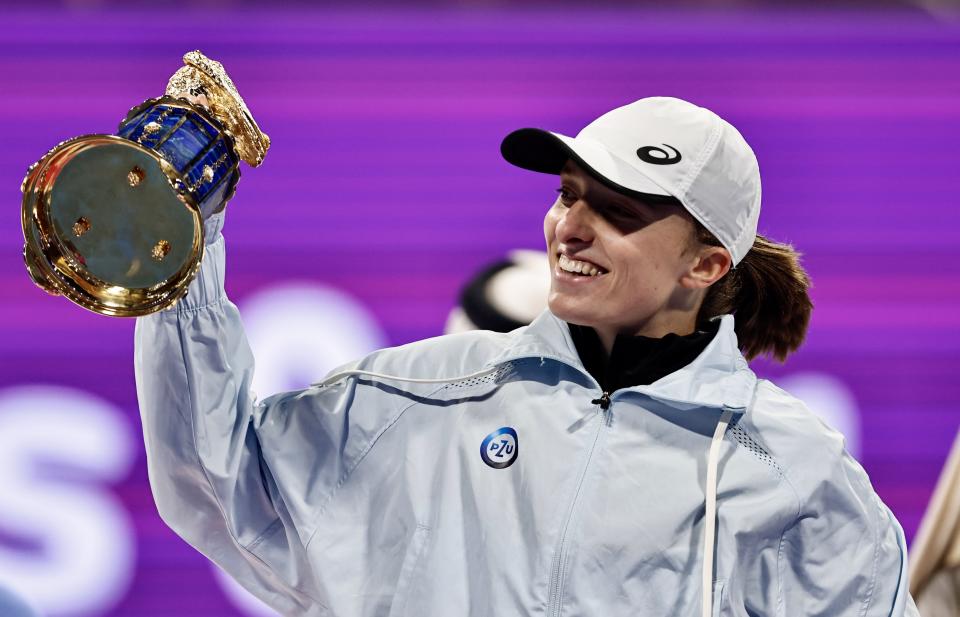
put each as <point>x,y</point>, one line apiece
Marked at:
<point>115,222</point>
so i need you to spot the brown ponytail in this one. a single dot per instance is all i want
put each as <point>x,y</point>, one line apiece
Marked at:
<point>767,292</point>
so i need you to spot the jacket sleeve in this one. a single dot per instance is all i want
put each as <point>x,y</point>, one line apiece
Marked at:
<point>210,481</point>
<point>845,554</point>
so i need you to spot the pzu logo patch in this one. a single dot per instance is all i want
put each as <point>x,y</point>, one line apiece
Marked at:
<point>499,448</point>
<point>659,156</point>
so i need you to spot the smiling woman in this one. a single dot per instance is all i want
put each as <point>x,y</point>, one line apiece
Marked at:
<point>615,457</point>
<point>648,280</point>
<point>661,246</point>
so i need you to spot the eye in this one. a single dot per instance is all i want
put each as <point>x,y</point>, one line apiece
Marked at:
<point>620,211</point>
<point>567,197</point>
<point>625,218</point>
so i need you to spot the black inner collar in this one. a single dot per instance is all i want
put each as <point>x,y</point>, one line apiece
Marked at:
<point>638,360</point>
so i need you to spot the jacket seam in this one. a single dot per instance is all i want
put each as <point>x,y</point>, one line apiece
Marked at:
<point>888,515</point>
<point>322,509</point>
<point>876,562</point>
<point>206,475</point>
<point>780,607</point>
<point>782,474</point>
<point>783,534</point>
<point>266,533</point>
<point>181,310</point>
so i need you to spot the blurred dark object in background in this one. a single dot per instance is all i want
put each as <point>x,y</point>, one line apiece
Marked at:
<point>503,295</point>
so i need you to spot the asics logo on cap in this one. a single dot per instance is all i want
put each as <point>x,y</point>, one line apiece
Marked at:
<point>658,156</point>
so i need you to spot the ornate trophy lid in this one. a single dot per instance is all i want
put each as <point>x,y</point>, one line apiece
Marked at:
<point>204,81</point>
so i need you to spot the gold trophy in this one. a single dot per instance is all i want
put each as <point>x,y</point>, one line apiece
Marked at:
<point>115,222</point>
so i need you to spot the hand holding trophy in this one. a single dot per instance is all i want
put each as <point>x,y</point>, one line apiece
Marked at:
<point>115,222</point>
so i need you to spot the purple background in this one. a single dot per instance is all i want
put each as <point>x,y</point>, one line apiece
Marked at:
<point>385,181</point>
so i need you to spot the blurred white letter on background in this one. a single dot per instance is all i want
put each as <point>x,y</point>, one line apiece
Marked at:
<point>59,447</point>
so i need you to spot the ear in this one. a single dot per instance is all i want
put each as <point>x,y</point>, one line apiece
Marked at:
<point>709,265</point>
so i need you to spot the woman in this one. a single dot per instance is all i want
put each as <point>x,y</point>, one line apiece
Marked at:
<point>615,457</point>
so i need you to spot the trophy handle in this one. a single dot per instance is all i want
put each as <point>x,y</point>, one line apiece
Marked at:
<point>205,82</point>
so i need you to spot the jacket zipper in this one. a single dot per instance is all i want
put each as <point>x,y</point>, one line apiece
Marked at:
<point>603,401</point>
<point>559,562</point>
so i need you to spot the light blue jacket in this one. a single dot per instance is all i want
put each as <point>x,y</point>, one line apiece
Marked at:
<point>11,605</point>
<point>372,496</point>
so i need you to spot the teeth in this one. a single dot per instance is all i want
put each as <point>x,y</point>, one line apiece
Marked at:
<point>577,267</point>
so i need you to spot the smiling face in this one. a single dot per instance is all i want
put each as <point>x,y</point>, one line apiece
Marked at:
<point>623,266</point>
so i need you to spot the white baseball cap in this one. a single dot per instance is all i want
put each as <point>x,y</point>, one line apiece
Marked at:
<point>661,146</point>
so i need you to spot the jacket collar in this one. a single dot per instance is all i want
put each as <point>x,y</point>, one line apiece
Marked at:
<point>718,377</point>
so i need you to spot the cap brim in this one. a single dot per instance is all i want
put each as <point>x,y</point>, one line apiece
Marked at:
<point>547,152</point>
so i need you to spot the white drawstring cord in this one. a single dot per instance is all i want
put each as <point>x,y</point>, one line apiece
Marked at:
<point>710,517</point>
<point>338,376</point>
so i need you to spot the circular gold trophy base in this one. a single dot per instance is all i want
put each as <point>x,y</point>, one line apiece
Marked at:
<point>108,225</point>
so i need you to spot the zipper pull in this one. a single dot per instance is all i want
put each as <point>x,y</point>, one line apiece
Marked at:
<point>603,401</point>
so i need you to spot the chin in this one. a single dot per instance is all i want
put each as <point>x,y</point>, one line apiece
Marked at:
<point>573,311</point>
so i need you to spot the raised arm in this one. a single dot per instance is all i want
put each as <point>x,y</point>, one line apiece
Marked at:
<point>209,480</point>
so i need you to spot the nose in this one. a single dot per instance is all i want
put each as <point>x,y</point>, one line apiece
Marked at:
<point>576,224</point>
